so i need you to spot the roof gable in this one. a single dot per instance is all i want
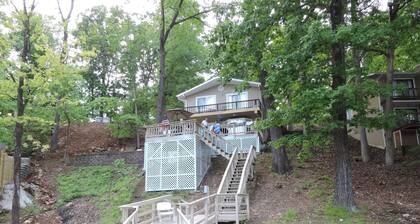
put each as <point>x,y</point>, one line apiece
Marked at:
<point>211,83</point>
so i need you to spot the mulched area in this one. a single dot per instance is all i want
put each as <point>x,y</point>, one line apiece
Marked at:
<point>389,194</point>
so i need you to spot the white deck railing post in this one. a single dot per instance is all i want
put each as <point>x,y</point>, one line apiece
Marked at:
<point>236,208</point>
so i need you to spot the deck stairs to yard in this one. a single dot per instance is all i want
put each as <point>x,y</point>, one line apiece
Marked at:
<point>229,204</point>
<point>215,142</point>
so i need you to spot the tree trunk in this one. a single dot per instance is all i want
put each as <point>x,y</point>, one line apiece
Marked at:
<point>343,193</point>
<point>280,162</point>
<point>266,132</point>
<point>357,60</point>
<point>54,135</point>
<point>162,82</point>
<point>364,146</point>
<point>390,56</point>
<point>17,154</point>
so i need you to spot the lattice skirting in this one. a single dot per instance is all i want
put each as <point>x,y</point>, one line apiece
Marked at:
<point>245,141</point>
<point>174,163</point>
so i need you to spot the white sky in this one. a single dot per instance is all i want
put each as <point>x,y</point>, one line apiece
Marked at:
<point>141,7</point>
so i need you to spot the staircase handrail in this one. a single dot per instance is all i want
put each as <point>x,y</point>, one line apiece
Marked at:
<point>229,169</point>
<point>181,218</point>
<point>216,139</point>
<point>246,170</point>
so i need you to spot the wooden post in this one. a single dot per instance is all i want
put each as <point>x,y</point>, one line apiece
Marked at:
<point>216,208</point>
<point>247,207</point>
<point>206,211</point>
<point>153,211</point>
<point>190,211</point>
<point>237,209</point>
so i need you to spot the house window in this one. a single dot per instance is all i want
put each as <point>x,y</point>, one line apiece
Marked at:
<point>235,100</point>
<point>206,103</point>
<point>404,88</point>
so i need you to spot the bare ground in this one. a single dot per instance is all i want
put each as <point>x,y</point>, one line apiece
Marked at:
<point>385,194</point>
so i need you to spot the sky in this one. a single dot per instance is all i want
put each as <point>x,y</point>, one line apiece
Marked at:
<point>142,7</point>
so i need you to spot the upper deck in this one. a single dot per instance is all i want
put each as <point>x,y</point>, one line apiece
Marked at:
<point>246,108</point>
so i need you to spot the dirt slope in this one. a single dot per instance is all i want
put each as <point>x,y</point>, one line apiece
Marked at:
<point>93,137</point>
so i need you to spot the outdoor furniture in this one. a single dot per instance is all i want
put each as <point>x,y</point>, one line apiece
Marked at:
<point>164,209</point>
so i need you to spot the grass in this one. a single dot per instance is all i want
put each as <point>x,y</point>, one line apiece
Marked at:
<point>333,214</point>
<point>176,195</point>
<point>111,186</point>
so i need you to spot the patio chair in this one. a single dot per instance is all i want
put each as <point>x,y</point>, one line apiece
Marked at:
<point>164,209</point>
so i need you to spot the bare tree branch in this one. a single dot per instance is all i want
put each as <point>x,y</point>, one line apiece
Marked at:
<point>195,16</point>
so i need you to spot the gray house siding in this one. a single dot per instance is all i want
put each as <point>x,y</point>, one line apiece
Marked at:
<point>253,93</point>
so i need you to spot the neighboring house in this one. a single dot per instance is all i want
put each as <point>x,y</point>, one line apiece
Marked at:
<point>406,103</point>
<point>178,154</point>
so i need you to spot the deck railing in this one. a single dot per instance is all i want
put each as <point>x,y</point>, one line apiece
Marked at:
<point>173,129</point>
<point>142,212</point>
<point>237,105</point>
<point>248,170</point>
<point>230,169</point>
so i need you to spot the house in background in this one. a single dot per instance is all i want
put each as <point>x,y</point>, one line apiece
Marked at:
<point>178,154</point>
<point>406,103</point>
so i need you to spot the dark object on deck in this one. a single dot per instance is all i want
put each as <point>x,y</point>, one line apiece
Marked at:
<point>178,114</point>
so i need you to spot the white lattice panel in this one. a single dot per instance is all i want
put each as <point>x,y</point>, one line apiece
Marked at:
<point>244,141</point>
<point>170,163</point>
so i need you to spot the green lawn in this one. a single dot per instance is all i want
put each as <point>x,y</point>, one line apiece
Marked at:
<point>111,186</point>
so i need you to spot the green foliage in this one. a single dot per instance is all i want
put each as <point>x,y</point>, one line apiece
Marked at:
<point>125,126</point>
<point>111,186</point>
<point>290,215</point>
<point>335,214</point>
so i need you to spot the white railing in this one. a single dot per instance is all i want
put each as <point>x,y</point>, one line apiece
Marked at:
<point>230,169</point>
<point>143,211</point>
<point>203,210</point>
<point>248,170</point>
<point>171,129</point>
<point>217,141</point>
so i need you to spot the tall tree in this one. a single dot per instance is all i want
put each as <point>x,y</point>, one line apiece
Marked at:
<point>65,19</point>
<point>180,12</point>
<point>25,13</point>
<point>394,8</point>
<point>101,34</point>
<point>232,59</point>
<point>357,61</point>
<point>343,192</point>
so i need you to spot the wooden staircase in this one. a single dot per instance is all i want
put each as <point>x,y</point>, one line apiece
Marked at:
<point>229,204</point>
<point>215,142</point>
<point>233,184</point>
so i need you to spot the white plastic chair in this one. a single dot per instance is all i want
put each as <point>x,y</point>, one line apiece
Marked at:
<point>164,209</point>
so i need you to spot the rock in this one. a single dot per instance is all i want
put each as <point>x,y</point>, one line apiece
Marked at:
<point>6,202</point>
<point>406,215</point>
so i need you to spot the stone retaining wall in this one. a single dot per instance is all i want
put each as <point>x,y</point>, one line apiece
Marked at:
<point>107,158</point>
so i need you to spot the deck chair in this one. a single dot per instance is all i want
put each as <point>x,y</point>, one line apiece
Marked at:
<point>164,209</point>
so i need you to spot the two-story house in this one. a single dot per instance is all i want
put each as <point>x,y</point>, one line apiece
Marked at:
<point>178,154</point>
<point>406,104</point>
